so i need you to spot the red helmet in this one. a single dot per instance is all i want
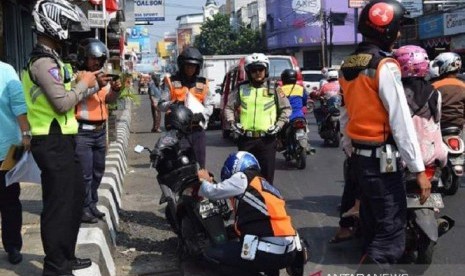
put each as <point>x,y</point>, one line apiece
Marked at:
<point>382,19</point>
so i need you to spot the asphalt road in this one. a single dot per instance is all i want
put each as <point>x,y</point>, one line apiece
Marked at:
<point>312,198</point>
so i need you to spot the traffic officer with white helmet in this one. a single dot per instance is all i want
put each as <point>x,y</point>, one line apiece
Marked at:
<point>376,117</point>
<point>263,113</point>
<point>50,99</point>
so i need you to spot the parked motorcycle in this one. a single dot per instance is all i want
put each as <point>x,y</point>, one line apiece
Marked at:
<point>424,227</point>
<point>198,222</point>
<point>454,169</point>
<point>329,129</point>
<point>296,142</point>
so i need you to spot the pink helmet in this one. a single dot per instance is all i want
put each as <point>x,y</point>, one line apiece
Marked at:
<point>413,60</point>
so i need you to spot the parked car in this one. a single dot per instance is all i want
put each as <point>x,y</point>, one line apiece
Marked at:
<point>311,79</point>
<point>236,74</point>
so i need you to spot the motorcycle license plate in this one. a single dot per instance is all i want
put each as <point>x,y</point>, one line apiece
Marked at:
<point>209,208</point>
<point>300,134</point>
<point>434,201</point>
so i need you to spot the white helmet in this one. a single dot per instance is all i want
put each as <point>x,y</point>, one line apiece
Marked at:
<point>332,74</point>
<point>56,18</point>
<point>257,59</point>
<point>448,63</point>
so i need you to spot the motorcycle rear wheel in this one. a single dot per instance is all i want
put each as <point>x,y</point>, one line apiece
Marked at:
<point>425,250</point>
<point>301,159</point>
<point>450,181</point>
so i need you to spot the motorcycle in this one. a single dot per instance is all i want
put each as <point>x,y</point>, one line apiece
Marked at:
<point>329,129</point>
<point>423,226</point>
<point>296,142</point>
<point>454,169</point>
<point>198,222</point>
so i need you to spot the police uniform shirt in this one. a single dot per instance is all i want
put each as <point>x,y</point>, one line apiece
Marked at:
<point>283,109</point>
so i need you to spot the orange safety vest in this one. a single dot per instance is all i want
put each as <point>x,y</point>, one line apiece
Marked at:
<point>178,91</point>
<point>368,119</point>
<point>93,108</point>
<point>260,211</point>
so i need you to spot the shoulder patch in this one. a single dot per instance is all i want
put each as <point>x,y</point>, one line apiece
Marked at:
<point>281,92</point>
<point>55,73</point>
<point>177,84</point>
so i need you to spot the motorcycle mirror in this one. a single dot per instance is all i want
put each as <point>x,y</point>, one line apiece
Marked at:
<point>139,148</point>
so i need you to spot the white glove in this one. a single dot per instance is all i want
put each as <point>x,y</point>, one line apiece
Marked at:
<point>273,130</point>
<point>237,128</point>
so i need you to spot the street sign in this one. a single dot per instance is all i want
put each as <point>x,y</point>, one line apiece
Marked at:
<point>96,19</point>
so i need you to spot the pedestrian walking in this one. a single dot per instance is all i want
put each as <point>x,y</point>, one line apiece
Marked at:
<point>263,113</point>
<point>376,117</point>
<point>187,83</point>
<point>50,99</point>
<point>92,115</point>
<point>155,97</point>
<point>15,131</point>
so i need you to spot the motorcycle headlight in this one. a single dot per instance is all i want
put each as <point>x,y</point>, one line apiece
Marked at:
<point>184,160</point>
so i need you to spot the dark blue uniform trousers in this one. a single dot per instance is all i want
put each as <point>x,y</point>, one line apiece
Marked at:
<point>383,210</point>
<point>11,211</point>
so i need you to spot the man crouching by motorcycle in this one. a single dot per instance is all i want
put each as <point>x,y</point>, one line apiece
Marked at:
<point>267,240</point>
<point>297,97</point>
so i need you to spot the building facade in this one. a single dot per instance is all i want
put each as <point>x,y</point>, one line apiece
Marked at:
<point>317,32</point>
<point>16,36</point>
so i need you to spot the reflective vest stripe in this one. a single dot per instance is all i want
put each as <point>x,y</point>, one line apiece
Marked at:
<point>256,203</point>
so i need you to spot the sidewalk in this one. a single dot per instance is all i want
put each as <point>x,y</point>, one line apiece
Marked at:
<point>95,241</point>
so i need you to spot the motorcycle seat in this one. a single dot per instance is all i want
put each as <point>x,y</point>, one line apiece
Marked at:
<point>450,131</point>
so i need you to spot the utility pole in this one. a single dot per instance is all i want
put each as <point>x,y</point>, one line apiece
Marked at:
<point>323,36</point>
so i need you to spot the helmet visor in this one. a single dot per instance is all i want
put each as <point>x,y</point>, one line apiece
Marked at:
<point>82,25</point>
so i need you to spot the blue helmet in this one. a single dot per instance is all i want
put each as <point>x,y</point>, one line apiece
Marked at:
<point>238,162</point>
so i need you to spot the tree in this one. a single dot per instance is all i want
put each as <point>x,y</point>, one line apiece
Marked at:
<point>217,37</point>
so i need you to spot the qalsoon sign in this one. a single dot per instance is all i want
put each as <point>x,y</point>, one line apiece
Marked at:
<point>454,22</point>
<point>149,10</point>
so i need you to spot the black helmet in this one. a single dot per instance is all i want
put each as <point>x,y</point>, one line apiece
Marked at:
<point>382,19</point>
<point>289,76</point>
<point>190,55</point>
<point>91,47</point>
<point>179,117</point>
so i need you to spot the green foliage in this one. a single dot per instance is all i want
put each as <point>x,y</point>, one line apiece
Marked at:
<point>218,37</point>
<point>127,92</point>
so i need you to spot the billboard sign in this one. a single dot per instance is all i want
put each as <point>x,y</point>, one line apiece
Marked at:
<point>414,7</point>
<point>308,6</point>
<point>149,10</point>
<point>431,26</point>
<point>454,22</point>
<point>138,39</point>
<point>96,19</point>
<point>357,3</point>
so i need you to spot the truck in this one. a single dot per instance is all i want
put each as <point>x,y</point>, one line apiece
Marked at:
<point>214,69</point>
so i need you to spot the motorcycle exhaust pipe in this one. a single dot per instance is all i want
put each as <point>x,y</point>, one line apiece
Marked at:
<point>445,223</point>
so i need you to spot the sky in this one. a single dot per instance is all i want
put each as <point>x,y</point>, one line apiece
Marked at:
<point>174,8</point>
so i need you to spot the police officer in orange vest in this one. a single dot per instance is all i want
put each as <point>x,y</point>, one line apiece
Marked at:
<point>187,83</point>
<point>92,114</point>
<point>268,241</point>
<point>376,118</point>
